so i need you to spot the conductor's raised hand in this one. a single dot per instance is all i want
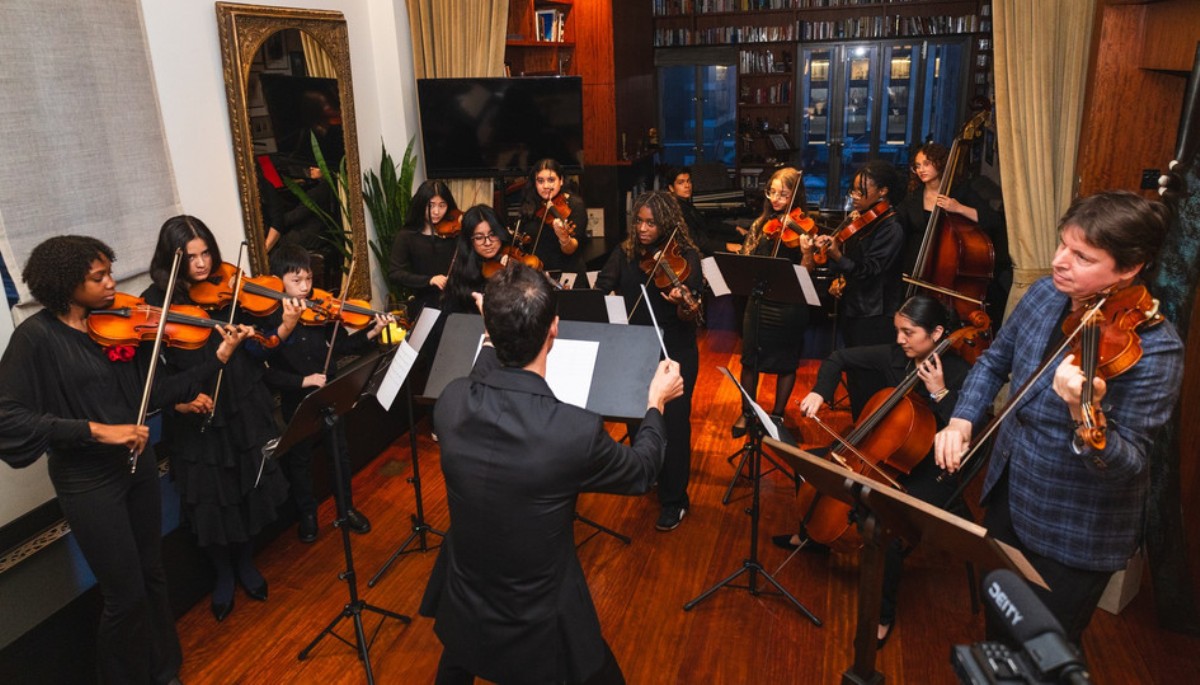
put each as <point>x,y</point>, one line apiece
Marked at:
<point>666,385</point>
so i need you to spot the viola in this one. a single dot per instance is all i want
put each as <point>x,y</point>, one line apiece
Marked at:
<point>557,208</point>
<point>1107,346</point>
<point>131,320</point>
<point>259,295</point>
<point>788,228</point>
<point>894,435</point>
<point>669,268</point>
<point>450,225</point>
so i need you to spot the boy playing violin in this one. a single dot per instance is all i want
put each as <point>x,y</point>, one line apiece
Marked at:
<point>298,367</point>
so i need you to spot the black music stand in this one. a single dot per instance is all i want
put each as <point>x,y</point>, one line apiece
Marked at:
<point>884,513</point>
<point>584,304</point>
<point>626,361</point>
<point>321,411</point>
<point>756,429</point>
<point>420,530</point>
<point>756,277</point>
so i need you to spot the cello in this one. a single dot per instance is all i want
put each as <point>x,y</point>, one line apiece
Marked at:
<point>956,259</point>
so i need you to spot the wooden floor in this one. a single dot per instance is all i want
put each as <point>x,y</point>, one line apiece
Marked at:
<point>639,589</point>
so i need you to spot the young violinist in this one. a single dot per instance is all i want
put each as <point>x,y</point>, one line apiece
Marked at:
<point>869,266</point>
<point>659,230</point>
<point>65,395</point>
<point>554,240</point>
<point>423,250</point>
<point>920,323</point>
<point>1074,509</point>
<point>297,368</point>
<point>773,332</point>
<point>481,242</point>
<point>216,455</point>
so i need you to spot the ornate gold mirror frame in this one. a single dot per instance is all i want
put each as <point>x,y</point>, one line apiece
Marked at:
<point>243,30</point>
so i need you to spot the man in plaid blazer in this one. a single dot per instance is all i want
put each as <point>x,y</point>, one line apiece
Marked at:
<point>1075,511</point>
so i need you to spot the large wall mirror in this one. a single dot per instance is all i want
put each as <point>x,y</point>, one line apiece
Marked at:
<point>287,79</point>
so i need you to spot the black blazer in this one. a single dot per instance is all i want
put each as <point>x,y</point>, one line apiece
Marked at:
<point>509,596</point>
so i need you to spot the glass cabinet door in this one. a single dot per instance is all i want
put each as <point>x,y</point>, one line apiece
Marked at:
<point>698,111</point>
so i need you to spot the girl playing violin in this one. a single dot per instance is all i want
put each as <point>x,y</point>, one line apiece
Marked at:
<point>63,394</point>
<point>772,332</point>
<point>919,324</point>
<point>421,253</point>
<point>297,367</point>
<point>216,455</point>
<point>555,220</point>
<point>481,241</point>
<point>657,221</point>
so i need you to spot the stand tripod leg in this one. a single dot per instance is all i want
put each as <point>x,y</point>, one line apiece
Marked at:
<point>600,529</point>
<point>737,472</point>
<point>708,593</point>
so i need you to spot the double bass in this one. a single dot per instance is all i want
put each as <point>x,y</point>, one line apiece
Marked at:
<point>957,259</point>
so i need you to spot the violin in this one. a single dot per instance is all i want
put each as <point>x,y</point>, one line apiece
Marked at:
<point>259,295</point>
<point>354,313</point>
<point>669,268</point>
<point>131,320</point>
<point>450,225</point>
<point>1107,346</point>
<point>557,208</point>
<point>853,227</point>
<point>789,228</point>
<point>510,254</point>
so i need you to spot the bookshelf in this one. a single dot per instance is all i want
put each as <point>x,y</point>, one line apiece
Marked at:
<point>540,39</point>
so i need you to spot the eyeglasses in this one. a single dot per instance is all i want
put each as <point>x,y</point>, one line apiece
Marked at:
<point>485,238</point>
<point>779,195</point>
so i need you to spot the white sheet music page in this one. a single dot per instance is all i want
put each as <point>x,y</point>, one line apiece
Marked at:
<point>397,373</point>
<point>569,369</point>
<point>420,331</point>
<point>806,284</point>
<point>763,417</point>
<point>712,274</point>
<point>615,304</point>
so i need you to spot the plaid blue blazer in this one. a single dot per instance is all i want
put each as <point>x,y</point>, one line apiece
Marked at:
<point>1083,509</point>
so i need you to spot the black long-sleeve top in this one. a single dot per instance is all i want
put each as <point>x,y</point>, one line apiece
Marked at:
<point>623,276</point>
<point>889,361</point>
<point>871,264</point>
<point>547,248</point>
<point>303,354</point>
<point>914,218</point>
<point>415,259</point>
<point>54,379</point>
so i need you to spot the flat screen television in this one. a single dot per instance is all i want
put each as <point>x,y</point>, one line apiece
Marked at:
<point>489,127</point>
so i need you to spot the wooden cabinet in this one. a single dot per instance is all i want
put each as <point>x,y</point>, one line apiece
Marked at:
<point>540,39</point>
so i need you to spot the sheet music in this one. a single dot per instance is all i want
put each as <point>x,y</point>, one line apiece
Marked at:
<point>569,370</point>
<point>763,417</point>
<point>615,304</point>
<point>806,284</point>
<point>712,274</point>
<point>420,331</point>
<point>592,276</point>
<point>567,280</point>
<point>397,373</point>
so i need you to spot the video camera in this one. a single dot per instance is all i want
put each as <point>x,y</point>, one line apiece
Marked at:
<point>1045,656</point>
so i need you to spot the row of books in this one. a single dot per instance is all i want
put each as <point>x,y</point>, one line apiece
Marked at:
<point>669,8</point>
<point>777,94</point>
<point>860,27</point>
<point>549,26</point>
<point>763,62</point>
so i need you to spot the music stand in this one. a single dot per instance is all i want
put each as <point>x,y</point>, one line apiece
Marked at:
<point>625,362</point>
<point>756,429</point>
<point>884,513</point>
<point>755,277</point>
<point>321,411</point>
<point>586,304</point>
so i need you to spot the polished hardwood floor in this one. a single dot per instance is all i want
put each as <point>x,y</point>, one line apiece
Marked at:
<point>639,589</point>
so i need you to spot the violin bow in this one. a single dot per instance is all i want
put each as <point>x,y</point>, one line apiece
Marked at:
<point>783,221</point>
<point>158,337</point>
<point>237,292</point>
<point>337,324</point>
<point>650,274</point>
<point>854,451</point>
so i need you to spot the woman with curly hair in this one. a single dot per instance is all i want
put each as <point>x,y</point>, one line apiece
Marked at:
<point>657,220</point>
<point>228,494</point>
<point>65,395</point>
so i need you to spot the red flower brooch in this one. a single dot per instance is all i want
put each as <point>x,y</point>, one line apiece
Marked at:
<point>121,353</point>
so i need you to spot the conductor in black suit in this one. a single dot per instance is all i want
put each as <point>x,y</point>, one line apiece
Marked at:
<point>508,594</point>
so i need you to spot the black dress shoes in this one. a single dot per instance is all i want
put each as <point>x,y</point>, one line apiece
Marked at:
<point>357,522</point>
<point>222,610</point>
<point>739,427</point>
<point>259,593</point>
<point>307,530</point>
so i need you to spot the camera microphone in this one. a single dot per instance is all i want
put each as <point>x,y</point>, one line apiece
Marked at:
<point>1028,622</point>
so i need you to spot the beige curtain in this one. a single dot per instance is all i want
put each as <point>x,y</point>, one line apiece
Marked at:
<point>459,38</point>
<point>316,59</point>
<point>1041,72</point>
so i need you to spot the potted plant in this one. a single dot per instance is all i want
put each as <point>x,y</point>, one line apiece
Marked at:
<point>387,196</point>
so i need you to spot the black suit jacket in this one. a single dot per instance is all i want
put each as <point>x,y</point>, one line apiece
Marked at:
<point>507,591</point>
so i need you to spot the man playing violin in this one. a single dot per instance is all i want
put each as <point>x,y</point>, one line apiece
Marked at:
<point>509,597</point>
<point>659,231</point>
<point>1074,510</point>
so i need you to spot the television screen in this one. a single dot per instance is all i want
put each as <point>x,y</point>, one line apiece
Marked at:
<point>481,127</point>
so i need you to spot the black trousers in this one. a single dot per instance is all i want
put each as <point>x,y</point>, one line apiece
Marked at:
<point>449,673</point>
<point>856,332</point>
<point>1074,592</point>
<point>117,521</point>
<point>677,462</point>
<point>297,466</point>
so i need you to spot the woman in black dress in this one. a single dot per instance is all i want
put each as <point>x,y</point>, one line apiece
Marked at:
<point>481,241</point>
<point>552,239</point>
<point>63,394</point>
<point>772,332</point>
<point>420,259</point>
<point>229,490</point>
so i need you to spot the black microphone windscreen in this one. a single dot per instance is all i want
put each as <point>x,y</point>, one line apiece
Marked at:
<point>1016,607</point>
